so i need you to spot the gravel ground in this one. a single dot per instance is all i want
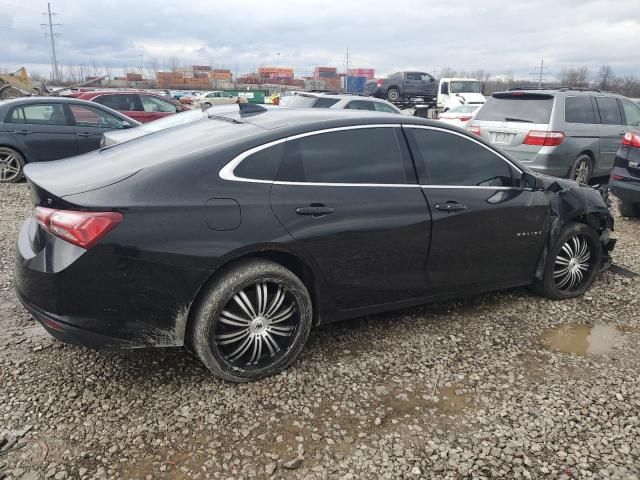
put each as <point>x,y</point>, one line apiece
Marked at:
<point>486,387</point>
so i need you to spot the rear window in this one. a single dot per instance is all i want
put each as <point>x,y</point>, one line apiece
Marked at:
<point>517,108</point>
<point>302,101</point>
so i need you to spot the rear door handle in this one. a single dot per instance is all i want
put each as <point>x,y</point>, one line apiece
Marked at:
<point>22,132</point>
<point>314,210</point>
<point>84,134</point>
<point>451,207</point>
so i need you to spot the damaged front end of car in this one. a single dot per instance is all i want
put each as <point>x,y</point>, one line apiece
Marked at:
<point>570,201</point>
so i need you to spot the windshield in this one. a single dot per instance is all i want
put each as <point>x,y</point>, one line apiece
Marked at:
<point>470,86</point>
<point>174,120</point>
<point>517,108</point>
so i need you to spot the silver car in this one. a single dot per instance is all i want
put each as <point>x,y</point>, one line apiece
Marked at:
<point>564,133</point>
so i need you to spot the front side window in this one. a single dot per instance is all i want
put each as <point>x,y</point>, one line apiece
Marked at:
<point>363,155</point>
<point>631,113</point>
<point>153,104</point>
<point>359,105</point>
<point>450,159</point>
<point>39,114</point>
<point>122,103</point>
<point>609,111</point>
<point>92,117</point>
<point>579,110</point>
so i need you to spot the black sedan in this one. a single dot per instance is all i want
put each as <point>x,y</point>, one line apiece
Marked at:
<point>39,129</point>
<point>236,234</point>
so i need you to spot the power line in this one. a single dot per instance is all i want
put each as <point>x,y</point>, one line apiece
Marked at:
<point>52,35</point>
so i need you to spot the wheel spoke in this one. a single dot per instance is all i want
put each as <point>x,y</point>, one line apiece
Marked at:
<point>228,317</point>
<point>257,349</point>
<point>271,343</point>
<point>562,260</point>
<point>275,305</point>
<point>244,346</point>
<point>244,303</point>
<point>233,337</point>
<point>282,316</point>
<point>281,331</point>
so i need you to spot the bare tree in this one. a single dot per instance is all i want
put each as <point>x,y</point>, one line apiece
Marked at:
<point>447,72</point>
<point>153,67</point>
<point>606,78</point>
<point>575,77</point>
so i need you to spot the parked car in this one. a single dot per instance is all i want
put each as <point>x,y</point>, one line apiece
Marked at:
<point>402,85</point>
<point>236,235</point>
<point>114,137</point>
<point>209,99</point>
<point>141,106</point>
<point>39,129</point>
<point>459,116</point>
<point>565,133</point>
<point>625,176</point>
<point>347,102</point>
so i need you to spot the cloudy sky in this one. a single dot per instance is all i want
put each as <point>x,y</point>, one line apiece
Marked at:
<point>495,35</point>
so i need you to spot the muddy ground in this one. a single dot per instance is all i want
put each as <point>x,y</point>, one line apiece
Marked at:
<point>504,385</point>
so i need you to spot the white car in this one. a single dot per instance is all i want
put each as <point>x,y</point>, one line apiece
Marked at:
<point>459,116</point>
<point>347,102</point>
<point>209,99</point>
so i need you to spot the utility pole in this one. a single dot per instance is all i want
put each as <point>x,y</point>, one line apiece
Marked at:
<point>346,77</point>
<point>50,24</point>
<point>540,72</point>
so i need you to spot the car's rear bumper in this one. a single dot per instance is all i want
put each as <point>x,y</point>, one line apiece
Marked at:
<point>99,299</point>
<point>553,164</point>
<point>627,191</point>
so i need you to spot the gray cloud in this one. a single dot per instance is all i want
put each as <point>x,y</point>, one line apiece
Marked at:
<point>244,34</point>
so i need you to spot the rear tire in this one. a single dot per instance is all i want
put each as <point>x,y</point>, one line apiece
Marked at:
<point>393,95</point>
<point>11,165</point>
<point>572,263</point>
<point>206,106</point>
<point>582,169</point>
<point>252,321</point>
<point>628,209</point>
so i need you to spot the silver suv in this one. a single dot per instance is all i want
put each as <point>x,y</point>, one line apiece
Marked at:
<point>564,133</point>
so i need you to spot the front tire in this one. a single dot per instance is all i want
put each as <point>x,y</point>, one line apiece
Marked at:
<point>11,165</point>
<point>206,106</point>
<point>572,263</point>
<point>628,209</point>
<point>252,321</point>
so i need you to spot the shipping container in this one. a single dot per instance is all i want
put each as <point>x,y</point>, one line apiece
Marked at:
<point>355,84</point>
<point>368,73</point>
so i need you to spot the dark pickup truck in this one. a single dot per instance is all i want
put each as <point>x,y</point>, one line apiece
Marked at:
<point>402,86</point>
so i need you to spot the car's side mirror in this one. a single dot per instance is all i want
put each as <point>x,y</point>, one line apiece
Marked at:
<point>125,124</point>
<point>528,180</point>
<point>444,89</point>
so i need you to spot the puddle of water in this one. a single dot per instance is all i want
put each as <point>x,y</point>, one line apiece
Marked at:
<point>451,403</point>
<point>583,339</point>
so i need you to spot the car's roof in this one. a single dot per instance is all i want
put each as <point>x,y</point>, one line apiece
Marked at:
<point>95,93</point>
<point>34,99</point>
<point>555,91</point>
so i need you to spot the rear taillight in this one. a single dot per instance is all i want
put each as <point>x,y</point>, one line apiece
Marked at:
<point>379,83</point>
<point>631,140</point>
<point>616,177</point>
<point>543,138</point>
<point>465,118</point>
<point>475,130</point>
<point>83,229</point>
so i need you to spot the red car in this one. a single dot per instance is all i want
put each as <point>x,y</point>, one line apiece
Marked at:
<point>141,106</point>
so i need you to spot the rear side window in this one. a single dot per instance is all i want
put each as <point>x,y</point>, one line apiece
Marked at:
<point>579,110</point>
<point>450,159</point>
<point>359,105</point>
<point>325,102</point>
<point>153,104</point>
<point>525,108</point>
<point>366,155</point>
<point>381,107</point>
<point>124,103</point>
<point>261,165</point>
<point>39,114</point>
<point>609,111</point>
<point>631,113</point>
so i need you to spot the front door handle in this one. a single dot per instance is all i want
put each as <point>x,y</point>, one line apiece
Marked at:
<point>451,207</point>
<point>84,134</point>
<point>316,210</point>
<point>22,132</point>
